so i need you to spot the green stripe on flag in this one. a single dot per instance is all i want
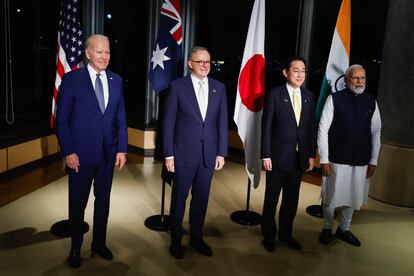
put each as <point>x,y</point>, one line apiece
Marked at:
<point>325,91</point>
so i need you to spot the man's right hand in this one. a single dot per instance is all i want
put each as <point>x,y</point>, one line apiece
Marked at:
<point>267,164</point>
<point>169,164</point>
<point>72,161</point>
<point>326,169</point>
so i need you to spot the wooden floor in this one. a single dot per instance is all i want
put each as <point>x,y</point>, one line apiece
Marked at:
<point>22,181</point>
<point>27,247</point>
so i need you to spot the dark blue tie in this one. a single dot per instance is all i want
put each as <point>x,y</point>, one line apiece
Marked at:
<point>99,92</point>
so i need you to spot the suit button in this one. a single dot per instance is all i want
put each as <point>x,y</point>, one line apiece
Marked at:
<point>201,140</point>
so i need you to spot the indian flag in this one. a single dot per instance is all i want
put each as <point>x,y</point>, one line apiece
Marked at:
<point>338,60</point>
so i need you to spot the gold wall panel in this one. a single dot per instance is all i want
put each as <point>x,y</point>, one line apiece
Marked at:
<point>3,160</point>
<point>30,151</point>
<point>141,139</point>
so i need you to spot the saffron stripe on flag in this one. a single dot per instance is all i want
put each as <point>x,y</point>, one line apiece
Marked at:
<point>339,54</point>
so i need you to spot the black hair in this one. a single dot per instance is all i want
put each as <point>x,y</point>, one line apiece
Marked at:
<point>291,59</point>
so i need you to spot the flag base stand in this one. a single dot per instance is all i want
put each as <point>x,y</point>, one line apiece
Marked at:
<point>317,211</point>
<point>62,228</point>
<point>246,217</point>
<point>159,222</point>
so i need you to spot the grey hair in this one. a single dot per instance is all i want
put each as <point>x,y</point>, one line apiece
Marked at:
<point>351,68</point>
<point>195,49</point>
<point>95,36</point>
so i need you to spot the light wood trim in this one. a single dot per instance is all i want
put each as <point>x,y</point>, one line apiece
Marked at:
<point>3,160</point>
<point>30,151</point>
<point>141,139</point>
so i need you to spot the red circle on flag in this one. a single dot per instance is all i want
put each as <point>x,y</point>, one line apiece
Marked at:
<point>251,83</point>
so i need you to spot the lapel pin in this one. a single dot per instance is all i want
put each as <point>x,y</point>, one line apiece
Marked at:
<point>213,90</point>
<point>285,100</point>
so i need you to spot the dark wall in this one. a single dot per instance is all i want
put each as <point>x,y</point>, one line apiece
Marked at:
<point>396,85</point>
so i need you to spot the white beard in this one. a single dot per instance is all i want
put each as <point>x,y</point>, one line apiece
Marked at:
<point>357,90</point>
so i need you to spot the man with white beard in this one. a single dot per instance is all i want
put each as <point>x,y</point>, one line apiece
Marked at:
<point>349,143</point>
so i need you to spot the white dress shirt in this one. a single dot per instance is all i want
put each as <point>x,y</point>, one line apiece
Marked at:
<point>104,79</point>
<point>196,85</point>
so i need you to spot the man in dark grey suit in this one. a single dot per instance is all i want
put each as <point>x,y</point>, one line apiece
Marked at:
<point>288,149</point>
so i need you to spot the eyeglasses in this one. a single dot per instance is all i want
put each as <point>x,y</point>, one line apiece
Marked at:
<point>202,62</point>
<point>359,78</point>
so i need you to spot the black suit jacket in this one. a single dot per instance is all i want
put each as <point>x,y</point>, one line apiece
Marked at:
<point>280,133</point>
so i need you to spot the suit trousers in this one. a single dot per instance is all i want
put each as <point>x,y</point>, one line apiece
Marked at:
<point>79,188</point>
<point>198,178</point>
<point>276,180</point>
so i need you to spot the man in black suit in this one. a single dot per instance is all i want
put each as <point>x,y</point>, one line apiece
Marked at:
<point>288,149</point>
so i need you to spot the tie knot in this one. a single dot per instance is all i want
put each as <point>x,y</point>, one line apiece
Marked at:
<point>98,75</point>
<point>295,91</point>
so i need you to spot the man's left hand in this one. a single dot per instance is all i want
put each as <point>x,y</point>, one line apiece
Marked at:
<point>370,170</point>
<point>219,163</point>
<point>120,160</point>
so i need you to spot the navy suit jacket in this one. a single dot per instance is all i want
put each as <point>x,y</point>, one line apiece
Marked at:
<point>280,133</point>
<point>185,135</point>
<point>81,126</point>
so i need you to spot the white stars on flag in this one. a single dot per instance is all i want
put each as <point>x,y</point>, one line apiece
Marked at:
<point>158,57</point>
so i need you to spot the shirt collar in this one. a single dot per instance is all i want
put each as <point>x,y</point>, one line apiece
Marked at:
<point>290,88</point>
<point>196,80</point>
<point>93,73</point>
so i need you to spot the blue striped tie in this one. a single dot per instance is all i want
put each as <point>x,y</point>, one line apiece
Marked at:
<point>99,92</point>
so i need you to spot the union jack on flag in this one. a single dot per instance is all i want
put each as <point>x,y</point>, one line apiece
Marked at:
<point>168,47</point>
<point>69,46</point>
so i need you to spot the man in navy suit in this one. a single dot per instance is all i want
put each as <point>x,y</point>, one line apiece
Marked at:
<point>92,134</point>
<point>288,149</point>
<point>194,145</point>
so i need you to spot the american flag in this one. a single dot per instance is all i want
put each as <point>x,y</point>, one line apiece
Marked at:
<point>69,46</point>
<point>168,48</point>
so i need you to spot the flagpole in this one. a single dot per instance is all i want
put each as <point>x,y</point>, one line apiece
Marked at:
<point>69,57</point>
<point>165,60</point>
<point>247,217</point>
<point>338,62</point>
<point>159,222</point>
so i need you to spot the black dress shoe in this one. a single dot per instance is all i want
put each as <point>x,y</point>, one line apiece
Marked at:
<point>103,252</point>
<point>74,259</point>
<point>201,247</point>
<point>326,236</point>
<point>269,244</point>
<point>292,243</point>
<point>347,237</point>
<point>176,250</point>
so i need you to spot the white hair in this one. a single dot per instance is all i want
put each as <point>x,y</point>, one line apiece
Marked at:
<point>95,36</point>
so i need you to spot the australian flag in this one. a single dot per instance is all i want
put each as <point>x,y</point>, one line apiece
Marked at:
<point>165,62</point>
<point>168,48</point>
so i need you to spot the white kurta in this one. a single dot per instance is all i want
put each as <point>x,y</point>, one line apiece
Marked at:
<point>347,185</point>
